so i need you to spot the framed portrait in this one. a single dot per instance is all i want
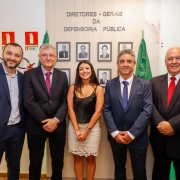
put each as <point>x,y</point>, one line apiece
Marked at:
<point>82,51</point>
<point>124,45</point>
<point>63,51</point>
<point>104,50</point>
<point>104,75</point>
<point>68,73</point>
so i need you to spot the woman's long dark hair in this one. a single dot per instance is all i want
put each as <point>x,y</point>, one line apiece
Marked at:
<point>78,80</point>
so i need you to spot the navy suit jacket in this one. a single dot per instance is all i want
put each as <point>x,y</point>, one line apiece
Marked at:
<point>40,104</point>
<point>137,115</point>
<point>5,101</point>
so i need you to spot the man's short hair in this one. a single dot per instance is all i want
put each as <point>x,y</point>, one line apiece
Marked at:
<point>105,46</point>
<point>47,46</point>
<point>82,46</point>
<point>173,47</point>
<point>126,51</point>
<point>13,44</point>
<point>104,73</point>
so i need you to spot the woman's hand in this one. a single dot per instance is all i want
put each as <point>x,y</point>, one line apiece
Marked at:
<point>78,133</point>
<point>83,135</point>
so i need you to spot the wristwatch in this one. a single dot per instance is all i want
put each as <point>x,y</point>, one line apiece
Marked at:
<point>88,127</point>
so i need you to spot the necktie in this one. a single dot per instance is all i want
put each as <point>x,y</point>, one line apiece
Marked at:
<point>48,84</point>
<point>171,90</point>
<point>125,94</point>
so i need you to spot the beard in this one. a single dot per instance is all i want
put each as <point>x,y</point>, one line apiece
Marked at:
<point>11,66</point>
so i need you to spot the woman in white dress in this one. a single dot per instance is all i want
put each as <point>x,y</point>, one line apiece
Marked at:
<point>85,103</point>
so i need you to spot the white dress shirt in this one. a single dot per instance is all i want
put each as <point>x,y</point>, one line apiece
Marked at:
<point>176,81</point>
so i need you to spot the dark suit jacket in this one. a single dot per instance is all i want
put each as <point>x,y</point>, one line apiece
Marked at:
<point>168,144</point>
<point>107,56</point>
<point>5,101</point>
<point>137,115</point>
<point>102,82</point>
<point>85,55</point>
<point>61,54</point>
<point>39,104</point>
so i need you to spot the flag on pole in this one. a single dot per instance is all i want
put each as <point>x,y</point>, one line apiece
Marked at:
<point>143,68</point>
<point>45,40</point>
<point>172,173</point>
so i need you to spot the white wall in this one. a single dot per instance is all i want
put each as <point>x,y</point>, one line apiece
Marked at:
<point>170,28</point>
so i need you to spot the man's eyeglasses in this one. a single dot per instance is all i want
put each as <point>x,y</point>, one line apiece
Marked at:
<point>51,56</point>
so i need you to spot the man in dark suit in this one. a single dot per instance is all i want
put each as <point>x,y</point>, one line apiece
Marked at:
<point>104,78</point>
<point>127,110</point>
<point>12,113</point>
<point>104,52</point>
<point>45,91</point>
<point>165,126</point>
<point>63,53</point>
<point>83,53</point>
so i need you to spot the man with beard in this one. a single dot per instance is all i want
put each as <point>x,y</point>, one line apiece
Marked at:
<point>12,113</point>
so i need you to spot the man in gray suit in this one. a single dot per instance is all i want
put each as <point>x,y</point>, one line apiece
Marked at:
<point>127,110</point>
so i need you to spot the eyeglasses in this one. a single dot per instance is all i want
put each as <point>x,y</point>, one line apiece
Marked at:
<point>171,59</point>
<point>127,61</point>
<point>51,56</point>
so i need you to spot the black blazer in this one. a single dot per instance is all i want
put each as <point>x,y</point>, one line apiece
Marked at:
<point>169,144</point>
<point>107,56</point>
<point>5,101</point>
<point>61,54</point>
<point>39,104</point>
<point>85,55</point>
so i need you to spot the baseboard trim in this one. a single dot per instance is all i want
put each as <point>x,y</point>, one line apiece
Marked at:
<point>23,175</point>
<point>43,176</point>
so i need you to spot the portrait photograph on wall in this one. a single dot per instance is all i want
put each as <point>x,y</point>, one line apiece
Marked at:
<point>104,51</point>
<point>68,73</point>
<point>104,75</point>
<point>82,51</point>
<point>63,51</point>
<point>124,45</point>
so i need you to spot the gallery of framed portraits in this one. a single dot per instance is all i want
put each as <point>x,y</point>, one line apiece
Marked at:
<point>95,22</point>
<point>91,22</point>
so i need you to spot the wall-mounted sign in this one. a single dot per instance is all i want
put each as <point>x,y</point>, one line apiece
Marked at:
<point>7,37</point>
<point>31,41</point>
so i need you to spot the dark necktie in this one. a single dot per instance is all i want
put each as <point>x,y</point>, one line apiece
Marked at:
<point>48,84</point>
<point>125,94</point>
<point>171,90</point>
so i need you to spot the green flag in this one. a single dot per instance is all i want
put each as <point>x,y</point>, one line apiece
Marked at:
<point>143,68</point>
<point>172,173</point>
<point>45,40</point>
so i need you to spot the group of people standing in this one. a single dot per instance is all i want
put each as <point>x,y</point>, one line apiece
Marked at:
<point>38,101</point>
